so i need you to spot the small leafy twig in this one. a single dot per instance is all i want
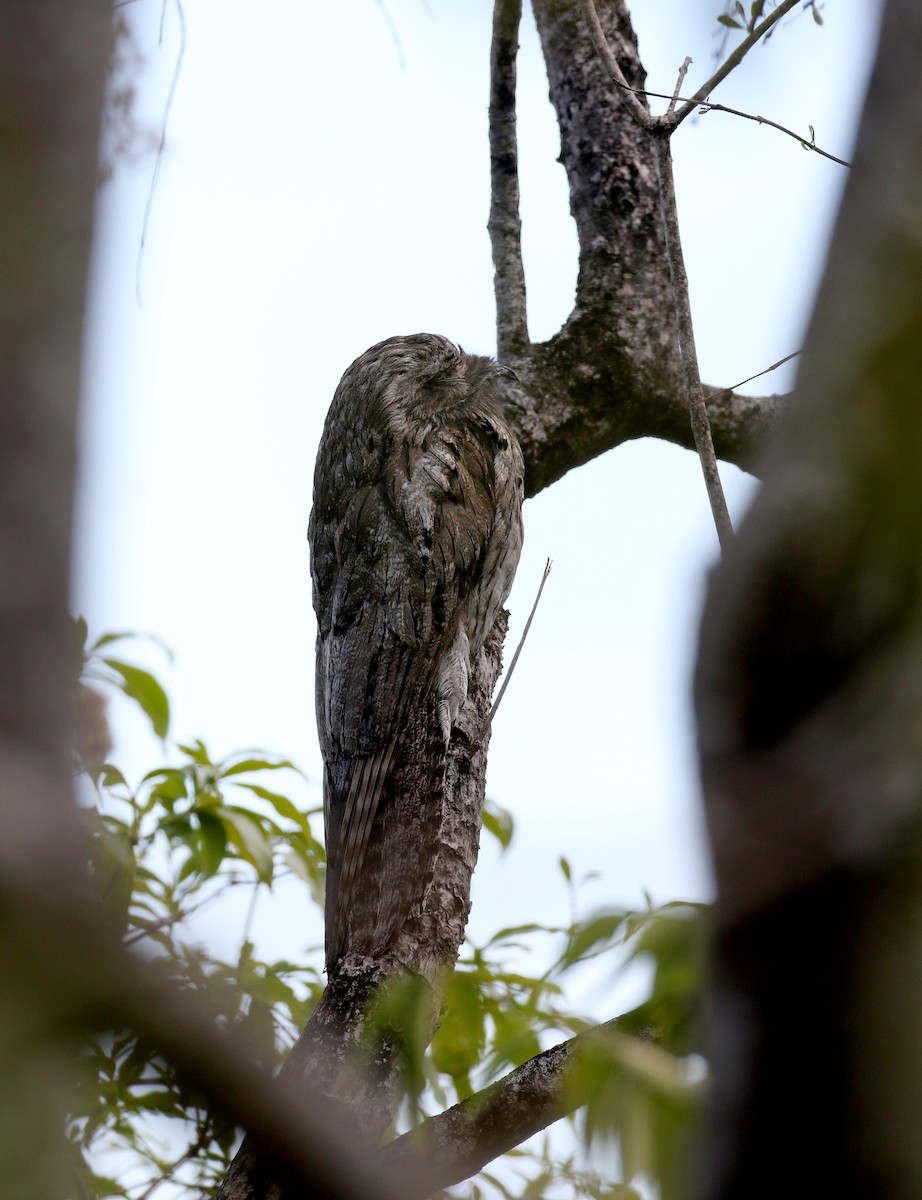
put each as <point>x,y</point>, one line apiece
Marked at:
<point>708,106</point>
<point>672,118</point>
<point>732,61</point>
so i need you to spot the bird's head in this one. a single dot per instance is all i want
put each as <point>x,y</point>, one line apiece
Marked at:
<point>422,372</point>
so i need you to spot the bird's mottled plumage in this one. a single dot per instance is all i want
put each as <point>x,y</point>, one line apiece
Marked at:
<point>415,536</point>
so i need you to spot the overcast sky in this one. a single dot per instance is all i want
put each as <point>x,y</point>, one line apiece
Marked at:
<point>324,186</point>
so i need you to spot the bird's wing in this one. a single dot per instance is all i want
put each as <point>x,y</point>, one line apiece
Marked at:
<point>403,554</point>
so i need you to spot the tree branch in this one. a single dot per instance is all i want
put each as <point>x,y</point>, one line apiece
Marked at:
<point>697,409</point>
<point>809,713</point>
<point>505,225</point>
<point>732,62</point>
<point>458,1143</point>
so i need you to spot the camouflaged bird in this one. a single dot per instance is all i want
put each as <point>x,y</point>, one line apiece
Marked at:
<point>415,536</point>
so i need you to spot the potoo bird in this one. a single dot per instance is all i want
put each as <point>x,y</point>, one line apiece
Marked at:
<point>415,536</point>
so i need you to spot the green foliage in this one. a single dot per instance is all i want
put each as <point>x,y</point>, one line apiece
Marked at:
<point>737,16</point>
<point>198,833</point>
<point>168,854</point>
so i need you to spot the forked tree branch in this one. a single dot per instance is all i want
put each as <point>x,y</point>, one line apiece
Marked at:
<point>732,61</point>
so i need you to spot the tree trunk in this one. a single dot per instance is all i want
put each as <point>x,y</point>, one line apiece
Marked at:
<point>809,700</point>
<point>52,63</point>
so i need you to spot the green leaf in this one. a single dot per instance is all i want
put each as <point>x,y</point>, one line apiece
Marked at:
<point>755,10</point>
<point>565,869</point>
<point>197,752</point>
<point>171,784</point>
<point>817,16</point>
<point>110,776</point>
<point>213,845</point>
<point>514,931</point>
<point>729,22</point>
<point>282,805</point>
<point>500,822</point>
<point>458,1043</point>
<point>255,764</point>
<point>249,839</point>
<point>163,1102</point>
<point>586,937</point>
<point>147,693</point>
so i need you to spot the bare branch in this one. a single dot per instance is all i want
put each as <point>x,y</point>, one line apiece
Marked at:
<point>505,225</point>
<point>807,143</point>
<point>518,649</point>
<point>697,408</point>
<point>758,375</point>
<point>683,71</point>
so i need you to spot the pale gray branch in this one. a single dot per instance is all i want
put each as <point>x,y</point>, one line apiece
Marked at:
<point>505,225</point>
<point>697,408</point>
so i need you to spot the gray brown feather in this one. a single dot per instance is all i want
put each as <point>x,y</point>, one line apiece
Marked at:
<point>415,535</point>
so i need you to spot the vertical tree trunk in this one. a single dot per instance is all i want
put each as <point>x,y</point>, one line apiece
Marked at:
<point>809,700</point>
<point>52,67</point>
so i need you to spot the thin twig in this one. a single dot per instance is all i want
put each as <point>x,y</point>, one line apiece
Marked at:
<point>733,60</point>
<point>807,143</point>
<point>683,71</point>
<point>518,649</point>
<point>505,225</point>
<point>758,374</point>
<point>160,148</point>
<point>671,119</point>
<point>192,1151</point>
<point>697,410</point>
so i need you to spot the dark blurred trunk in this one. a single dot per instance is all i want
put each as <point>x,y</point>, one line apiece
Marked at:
<point>52,68</point>
<point>809,700</point>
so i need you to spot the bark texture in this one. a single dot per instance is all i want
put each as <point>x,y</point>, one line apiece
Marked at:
<point>62,970</point>
<point>342,1053</point>
<point>613,372</point>
<point>809,700</point>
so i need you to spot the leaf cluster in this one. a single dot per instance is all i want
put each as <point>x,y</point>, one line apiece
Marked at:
<point>195,843</point>
<point>736,16</point>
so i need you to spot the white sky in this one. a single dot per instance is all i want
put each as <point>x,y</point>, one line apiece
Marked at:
<point>315,197</point>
